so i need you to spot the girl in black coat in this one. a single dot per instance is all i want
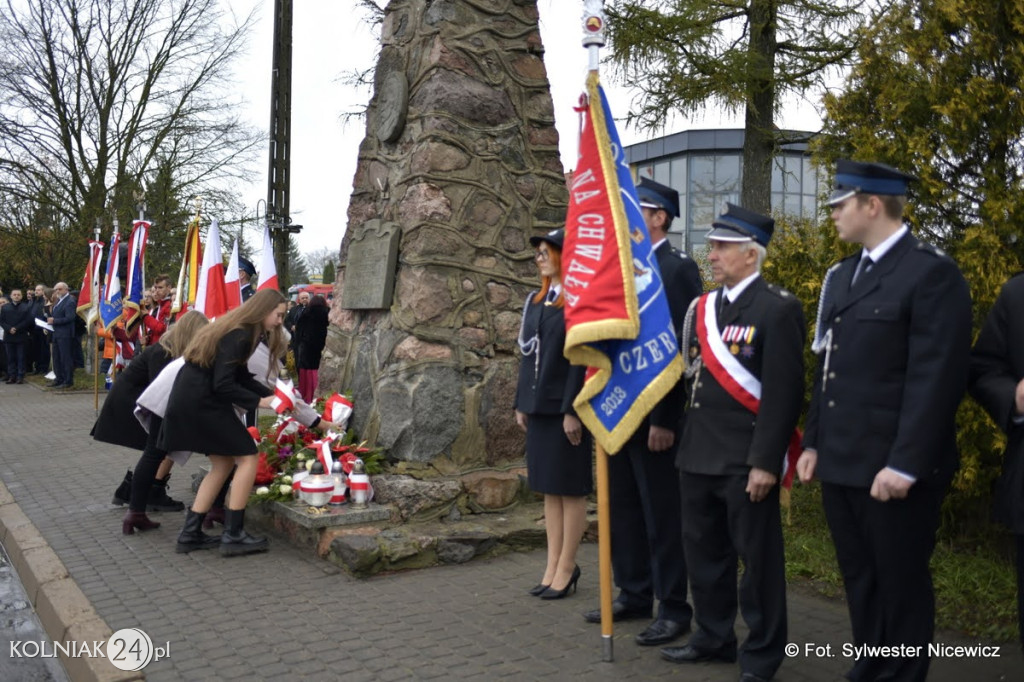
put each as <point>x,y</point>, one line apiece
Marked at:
<point>210,394</point>
<point>558,449</point>
<point>117,424</point>
<point>310,337</point>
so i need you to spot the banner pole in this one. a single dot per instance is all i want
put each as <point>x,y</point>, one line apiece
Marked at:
<point>604,554</point>
<point>96,370</point>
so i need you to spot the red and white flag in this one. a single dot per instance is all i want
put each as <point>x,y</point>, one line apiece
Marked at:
<point>284,396</point>
<point>267,269</point>
<point>88,298</point>
<point>211,296</point>
<point>232,287</point>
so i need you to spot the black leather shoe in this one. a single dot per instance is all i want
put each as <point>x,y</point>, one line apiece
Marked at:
<point>661,631</point>
<point>751,677</point>
<point>537,589</point>
<point>620,612</point>
<point>692,654</point>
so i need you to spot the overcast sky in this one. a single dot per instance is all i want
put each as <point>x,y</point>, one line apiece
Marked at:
<point>329,40</point>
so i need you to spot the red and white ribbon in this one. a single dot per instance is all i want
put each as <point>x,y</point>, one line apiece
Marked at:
<point>284,396</point>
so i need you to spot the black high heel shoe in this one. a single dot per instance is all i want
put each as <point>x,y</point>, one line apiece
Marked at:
<point>552,593</point>
<point>538,589</point>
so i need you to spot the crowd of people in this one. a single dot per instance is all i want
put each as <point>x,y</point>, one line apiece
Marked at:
<point>191,375</point>
<point>695,494</point>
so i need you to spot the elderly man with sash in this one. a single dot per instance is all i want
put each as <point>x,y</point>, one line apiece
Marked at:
<point>745,363</point>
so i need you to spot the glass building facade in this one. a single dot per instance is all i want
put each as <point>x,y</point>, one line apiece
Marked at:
<point>705,167</point>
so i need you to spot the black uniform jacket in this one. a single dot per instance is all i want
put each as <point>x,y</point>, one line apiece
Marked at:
<point>117,423</point>
<point>548,384</point>
<point>997,366</point>
<point>897,367</point>
<point>682,284</point>
<point>721,436</point>
<point>201,414</point>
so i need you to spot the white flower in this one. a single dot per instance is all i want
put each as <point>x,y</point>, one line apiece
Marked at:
<point>286,479</point>
<point>262,490</point>
<point>286,490</point>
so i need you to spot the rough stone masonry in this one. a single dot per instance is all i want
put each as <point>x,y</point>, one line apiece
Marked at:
<point>460,161</point>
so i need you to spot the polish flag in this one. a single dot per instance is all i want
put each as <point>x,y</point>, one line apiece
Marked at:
<point>267,269</point>
<point>232,287</point>
<point>211,296</point>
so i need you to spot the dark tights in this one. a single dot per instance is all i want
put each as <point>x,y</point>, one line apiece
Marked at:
<point>145,470</point>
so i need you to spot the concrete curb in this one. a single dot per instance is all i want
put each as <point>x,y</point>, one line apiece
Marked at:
<point>63,609</point>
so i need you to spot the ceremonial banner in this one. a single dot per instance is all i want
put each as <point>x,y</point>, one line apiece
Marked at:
<point>232,286</point>
<point>211,296</point>
<point>89,294</point>
<point>268,268</point>
<point>135,287</point>
<point>110,305</point>
<point>188,277</point>
<point>616,314</point>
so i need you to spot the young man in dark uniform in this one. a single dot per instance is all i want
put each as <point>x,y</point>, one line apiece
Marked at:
<point>647,548</point>
<point>745,344</point>
<point>894,337</point>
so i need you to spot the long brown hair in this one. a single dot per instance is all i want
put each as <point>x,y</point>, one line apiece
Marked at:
<point>555,256</point>
<point>248,316</point>
<point>176,339</point>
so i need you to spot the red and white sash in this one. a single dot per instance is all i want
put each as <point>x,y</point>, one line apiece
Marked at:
<point>737,380</point>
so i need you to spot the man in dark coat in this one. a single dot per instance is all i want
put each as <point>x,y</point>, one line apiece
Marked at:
<point>17,322</point>
<point>647,547</point>
<point>744,344</point>
<point>246,271</point>
<point>62,318</point>
<point>997,382</point>
<point>894,335</point>
<point>41,337</point>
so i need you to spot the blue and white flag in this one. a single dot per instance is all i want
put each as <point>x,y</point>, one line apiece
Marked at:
<point>110,304</point>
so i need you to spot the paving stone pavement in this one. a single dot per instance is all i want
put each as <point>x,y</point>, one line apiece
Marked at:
<point>286,615</point>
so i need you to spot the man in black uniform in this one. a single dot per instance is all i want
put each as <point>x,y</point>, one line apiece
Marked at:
<point>246,271</point>
<point>647,548</point>
<point>745,359</point>
<point>997,382</point>
<point>894,336</point>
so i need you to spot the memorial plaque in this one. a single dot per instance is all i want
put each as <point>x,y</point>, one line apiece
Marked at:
<point>370,267</point>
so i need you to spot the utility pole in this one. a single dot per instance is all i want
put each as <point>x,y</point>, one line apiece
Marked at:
<point>279,175</point>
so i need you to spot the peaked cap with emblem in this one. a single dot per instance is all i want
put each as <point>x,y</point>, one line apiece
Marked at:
<point>658,196</point>
<point>858,177</point>
<point>555,238</point>
<point>246,266</point>
<point>737,224</point>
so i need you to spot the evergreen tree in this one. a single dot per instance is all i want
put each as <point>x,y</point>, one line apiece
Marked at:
<point>741,54</point>
<point>936,91</point>
<point>329,273</point>
<point>297,272</point>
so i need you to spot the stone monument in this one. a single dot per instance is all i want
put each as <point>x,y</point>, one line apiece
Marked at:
<point>459,167</point>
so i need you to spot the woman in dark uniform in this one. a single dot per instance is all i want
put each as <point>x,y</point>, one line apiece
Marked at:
<point>203,415</point>
<point>117,424</point>
<point>558,449</point>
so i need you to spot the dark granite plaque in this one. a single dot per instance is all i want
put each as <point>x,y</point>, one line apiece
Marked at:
<point>370,267</point>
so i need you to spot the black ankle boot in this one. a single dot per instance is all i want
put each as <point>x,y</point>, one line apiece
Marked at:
<point>192,536</point>
<point>159,500</point>
<point>123,494</point>
<point>234,541</point>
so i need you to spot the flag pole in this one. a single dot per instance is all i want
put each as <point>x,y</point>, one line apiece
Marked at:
<point>604,556</point>
<point>95,334</point>
<point>593,40</point>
